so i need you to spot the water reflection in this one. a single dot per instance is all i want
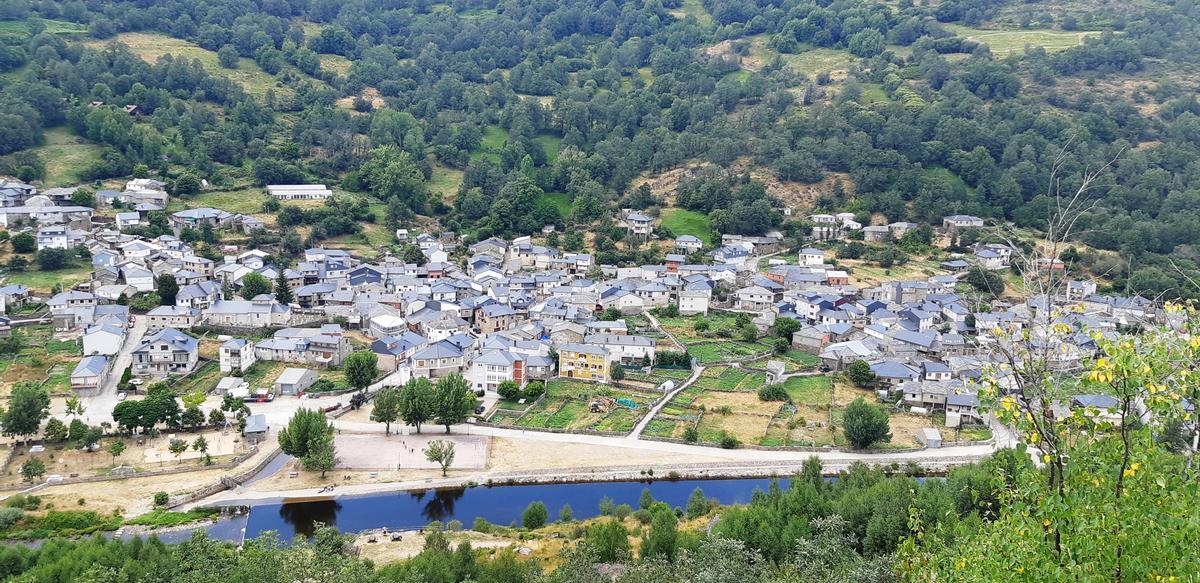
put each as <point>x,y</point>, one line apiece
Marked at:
<point>441,506</point>
<point>304,516</point>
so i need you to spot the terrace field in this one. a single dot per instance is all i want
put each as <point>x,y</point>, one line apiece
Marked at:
<point>567,405</point>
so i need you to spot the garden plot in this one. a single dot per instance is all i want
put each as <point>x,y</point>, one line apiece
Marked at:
<point>723,351</point>
<point>43,359</point>
<point>568,405</point>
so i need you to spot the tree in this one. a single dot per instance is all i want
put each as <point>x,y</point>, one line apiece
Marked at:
<point>534,516</point>
<point>509,390</point>
<point>50,259</point>
<point>200,444</point>
<point>441,453</point>
<point>453,401</point>
<point>33,468</point>
<point>228,56</point>
<point>115,449</point>
<point>566,513</point>
<point>646,499</point>
<point>663,537</point>
<point>697,504</point>
<point>254,284</point>
<point>610,540</point>
<point>321,454</point>
<point>186,184</point>
<point>864,424</point>
<point>177,447</point>
<point>749,333</point>
<point>416,402</point>
<point>361,368</point>
<point>28,405</point>
<point>283,293</point>
<point>167,288</point>
<point>56,430</point>
<point>860,374</point>
<point>618,372</point>
<point>74,406</point>
<point>785,327</point>
<point>984,280</point>
<point>216,418</point>
<point>24,243</point>
<point>302,429</point>
<point>387,408</point>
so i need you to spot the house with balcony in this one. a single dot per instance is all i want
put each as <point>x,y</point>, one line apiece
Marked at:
<point>237,355</point>
<point>584,361</point>
<point>166,352</point>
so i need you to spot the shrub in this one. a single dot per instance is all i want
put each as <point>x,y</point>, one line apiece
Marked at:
<point>691,435</point>
<point>623,511</point>
<point>729,442</point>
<point>435,526</point>
<point>772,393</point>
<point>481,525</point>
<point>454,525</point>
<point>161,498</point>
<point>23,502</point>
<point>9,516</point>
<point>643,516</point>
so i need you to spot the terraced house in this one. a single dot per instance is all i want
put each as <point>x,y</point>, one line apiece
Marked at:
<point>165,352</point>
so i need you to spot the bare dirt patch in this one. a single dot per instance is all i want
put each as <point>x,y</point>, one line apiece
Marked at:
<point>384,550</point>
<point>738,402</point>
<point>378,452</point>
<point>796,195</point>
<point>371,94</point>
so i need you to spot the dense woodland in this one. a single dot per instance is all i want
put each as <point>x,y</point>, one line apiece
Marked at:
<point>628,91</point>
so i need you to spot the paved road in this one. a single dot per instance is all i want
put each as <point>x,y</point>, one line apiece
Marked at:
<point>100,407</point>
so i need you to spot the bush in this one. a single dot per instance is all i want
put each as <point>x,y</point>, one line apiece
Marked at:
<point>454,525</point>
<point>729,442</point>
<point>623,511</point>
<point>435,526</point>
<point>161,498</point>
<point>772,393</point>
<point>481,525</point>
<point>691,435</point>
<point>23,502</point>
<point>643,516</point>
<point>534,516</point>
<point>534,390</point>
<point>864,424</point>
<point>606,506</point>
<point>9,517</point>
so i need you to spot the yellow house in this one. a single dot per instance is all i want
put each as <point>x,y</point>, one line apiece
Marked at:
<point>583,361</point>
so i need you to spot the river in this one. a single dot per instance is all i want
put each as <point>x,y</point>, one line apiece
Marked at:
<point>498,504</point>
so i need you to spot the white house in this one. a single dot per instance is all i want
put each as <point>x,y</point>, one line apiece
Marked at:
<point>167,351</point>
<point>299,191</point>
<point>810,257</point>
<point>626,348</point>
<point>103,339</point>
<point>237,355</point>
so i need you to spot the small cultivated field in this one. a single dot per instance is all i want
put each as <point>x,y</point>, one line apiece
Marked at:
<point>44,281</point>
<point>724,401</point>
<point>43,359</point>
<point>1005,42</point>
<point>203,379</point>
<point>724,351</point>
<point>816,391</point>
<point>686,222</point>
<point>567,405</point>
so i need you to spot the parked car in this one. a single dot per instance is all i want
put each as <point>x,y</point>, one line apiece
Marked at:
<point>121,396</point>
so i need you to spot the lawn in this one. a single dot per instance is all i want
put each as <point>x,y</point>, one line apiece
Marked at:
<point>203,379</point>
<point>66,155</point>
<point>728,379</point>
<point>686,222</point>
<point>494,138</point>
<point>1004,42</point>
<point>683,327</point>
<point>808,60</point>
<point>151,46</point>
<point>550,144</point>
<point>561,201</point>
<point>247,201</point>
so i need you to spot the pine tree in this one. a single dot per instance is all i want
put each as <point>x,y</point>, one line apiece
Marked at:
<point>283,293</point>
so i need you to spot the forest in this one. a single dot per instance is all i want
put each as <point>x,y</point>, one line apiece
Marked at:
<point>924,123</point>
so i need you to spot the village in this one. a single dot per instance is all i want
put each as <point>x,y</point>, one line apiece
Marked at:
<point>646,365</point>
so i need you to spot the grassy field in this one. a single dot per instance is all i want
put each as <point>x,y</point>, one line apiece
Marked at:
<point>56,27</point>
<point>247,201</point>
<point>336,63</point>
<point>693,8</point>
<point>494,138</point>
<point>65,155</point>
<point>44,281</point>
<point>561,201</point>
<point>808,60</point>
<point>1004,42</point>
<point>686,222</point>
<point>445,182</point>
<point>815,391</point>
<point>151,46</point>
<point>550,144</point>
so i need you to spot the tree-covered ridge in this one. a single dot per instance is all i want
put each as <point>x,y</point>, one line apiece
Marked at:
<point>629,88</point>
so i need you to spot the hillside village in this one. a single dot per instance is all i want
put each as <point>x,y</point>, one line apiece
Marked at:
<point>523,313</point>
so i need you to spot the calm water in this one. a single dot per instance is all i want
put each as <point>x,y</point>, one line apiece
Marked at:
<point>498,505</point>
